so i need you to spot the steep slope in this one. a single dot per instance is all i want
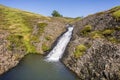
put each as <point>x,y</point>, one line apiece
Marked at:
<point>94,51</point>
<point>24,32</point>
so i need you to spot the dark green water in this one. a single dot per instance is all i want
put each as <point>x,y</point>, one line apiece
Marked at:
<point>33,67</point>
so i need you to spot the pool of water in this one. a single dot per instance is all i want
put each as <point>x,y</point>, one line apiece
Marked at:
<point>34,67</point>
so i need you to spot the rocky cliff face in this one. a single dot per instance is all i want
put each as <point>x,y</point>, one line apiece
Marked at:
<point>94,51</point>
<point>24,32</point>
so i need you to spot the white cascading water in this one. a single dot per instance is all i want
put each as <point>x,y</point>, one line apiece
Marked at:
<point>59,49</point>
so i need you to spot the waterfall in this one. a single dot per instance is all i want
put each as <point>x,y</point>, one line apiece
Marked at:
<point>57,52</point>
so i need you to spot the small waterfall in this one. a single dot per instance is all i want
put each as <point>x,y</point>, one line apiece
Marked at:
<point>57,52</point>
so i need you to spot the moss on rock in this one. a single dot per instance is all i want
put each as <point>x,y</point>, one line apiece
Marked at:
<point>79,50</point>
<point>86,30</point>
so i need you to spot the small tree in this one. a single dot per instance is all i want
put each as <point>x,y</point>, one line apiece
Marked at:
<point>56,14</point>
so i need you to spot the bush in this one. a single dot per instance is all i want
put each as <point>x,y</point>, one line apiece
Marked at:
<point>96,34</point>
<point>56,14</point>
<point>86,29</point>
<point>107,32</point>
<point>79,50</point>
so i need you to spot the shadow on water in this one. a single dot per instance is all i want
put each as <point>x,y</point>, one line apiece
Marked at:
<point>34,67</point>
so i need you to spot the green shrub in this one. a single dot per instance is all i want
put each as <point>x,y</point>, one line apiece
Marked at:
<point>107,32</point>
<point>96,34</point>
<point>42,25</point>
<point>116,14</point>
<point>48,38</point>
<point>86,30</point>
<point>79,50</point>
<point>56,14</point>
<point>113,40</point>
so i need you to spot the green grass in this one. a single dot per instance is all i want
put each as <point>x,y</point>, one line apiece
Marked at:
<point>20,26</point>
<point>16,41</point>
<point>79,50</point>
<point>116,14</point>
<point>107,32</point>
<point>41,27</point>
<point>113,40</point>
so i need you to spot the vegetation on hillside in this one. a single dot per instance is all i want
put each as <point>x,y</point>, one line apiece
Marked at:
<point>25,28</point>
<point>116,14</point>
<point>107,33</point>
<point>79,50</point>
<point>20,26</point>
<point>56,14</point>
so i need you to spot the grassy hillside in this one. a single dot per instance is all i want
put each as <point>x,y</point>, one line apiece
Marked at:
<point>19,24</point>
<point>25,28</point>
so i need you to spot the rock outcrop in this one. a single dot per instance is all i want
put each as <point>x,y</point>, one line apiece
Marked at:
<point>94,51</point>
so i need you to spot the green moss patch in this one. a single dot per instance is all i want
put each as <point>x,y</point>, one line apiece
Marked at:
<point>86,30</point>
<point>79,50</point>
<point>107,32</point>
<point>42,24</point>
<point>113,40</point>
<point>96,34</point>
